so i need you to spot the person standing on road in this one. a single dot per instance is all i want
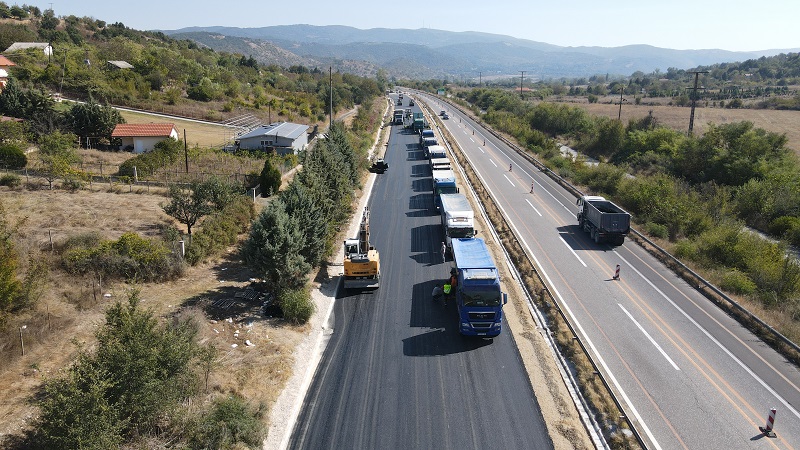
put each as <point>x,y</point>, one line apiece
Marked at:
<point>532,182</point>
<point>444,252</point>
<point>510,166</point>
<point>437,293</point>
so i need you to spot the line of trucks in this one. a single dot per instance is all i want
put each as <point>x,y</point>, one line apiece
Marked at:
<point>478,294</point>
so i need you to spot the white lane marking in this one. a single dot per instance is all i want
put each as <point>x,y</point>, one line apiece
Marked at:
<point>596,354</point>
<point>714,340</point>
<point>570,249</point>
<point>491,161</point>
<point>479,148</point>
<point>537,211</point>
<point>509,180</point>
<point>650,338</point>
<point>578,325</point>
<point>471,140</point>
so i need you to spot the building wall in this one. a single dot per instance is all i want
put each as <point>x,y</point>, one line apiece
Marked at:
<point>143,144</point>
<point>281,145</point>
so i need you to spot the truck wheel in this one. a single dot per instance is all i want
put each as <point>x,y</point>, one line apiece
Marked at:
<point>620,240</point>
<point>596,237</point>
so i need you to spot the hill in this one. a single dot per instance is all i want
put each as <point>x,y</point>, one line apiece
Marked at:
<point>429,53</point>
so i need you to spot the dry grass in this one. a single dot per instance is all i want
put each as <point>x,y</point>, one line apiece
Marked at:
<point>197,133</point>
<point>69,310</point>
<point>677,117</point>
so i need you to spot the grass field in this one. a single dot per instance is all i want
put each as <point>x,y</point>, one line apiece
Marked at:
<point>197,133</point>
<point>677,117</point>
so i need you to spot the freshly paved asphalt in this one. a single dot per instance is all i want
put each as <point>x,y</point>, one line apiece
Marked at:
<point>396,373</point>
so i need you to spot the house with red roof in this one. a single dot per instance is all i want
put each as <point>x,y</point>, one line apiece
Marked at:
<point>5,69</point>
<point>142,137</point>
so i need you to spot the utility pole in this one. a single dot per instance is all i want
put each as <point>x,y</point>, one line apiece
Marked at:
<point>694,98</point>
<point>621,90</point>
<point>480,79</point>
<point>186,150</point>
<point>330,87</point>
<point>521,78</point>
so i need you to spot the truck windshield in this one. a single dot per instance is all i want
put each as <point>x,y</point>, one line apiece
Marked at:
<point>462,232</point>
<point>481,298</point>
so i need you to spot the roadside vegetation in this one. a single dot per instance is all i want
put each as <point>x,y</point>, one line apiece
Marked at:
<point>706,198</point>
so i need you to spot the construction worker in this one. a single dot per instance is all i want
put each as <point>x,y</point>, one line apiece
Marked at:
<point>437,293</point>
<point>444,252</point>
<point>447,288</point>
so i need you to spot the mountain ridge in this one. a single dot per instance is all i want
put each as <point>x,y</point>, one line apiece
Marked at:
<point>431,53</point>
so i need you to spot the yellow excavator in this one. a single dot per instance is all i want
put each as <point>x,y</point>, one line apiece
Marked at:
<point>362,265</point>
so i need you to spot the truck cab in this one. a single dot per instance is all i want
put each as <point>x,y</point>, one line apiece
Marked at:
<point>479,298</point>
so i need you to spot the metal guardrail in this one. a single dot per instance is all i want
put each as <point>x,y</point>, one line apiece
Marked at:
<point>589,422</point>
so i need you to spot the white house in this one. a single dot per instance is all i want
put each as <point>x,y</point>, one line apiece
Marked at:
<point>282,138</point>
<point>142,137</point>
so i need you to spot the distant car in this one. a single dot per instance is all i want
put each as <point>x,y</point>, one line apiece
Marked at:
<point>399,102</point>
<point>443,113</point>
<point>379,166</point>
<point>411,103</point>
<point>445,116</point>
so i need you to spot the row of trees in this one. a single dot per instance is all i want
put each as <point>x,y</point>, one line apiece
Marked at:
<point>697,191</point>
<point>295,231</point>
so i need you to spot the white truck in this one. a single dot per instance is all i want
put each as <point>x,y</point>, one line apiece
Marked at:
<point>458,220</point>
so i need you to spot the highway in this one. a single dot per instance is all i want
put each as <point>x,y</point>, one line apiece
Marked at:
<point>395,372</point>
<point>687,374</point>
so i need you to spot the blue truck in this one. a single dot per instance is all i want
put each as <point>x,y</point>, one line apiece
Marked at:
<point>478,296</point>
<point>444,182</point>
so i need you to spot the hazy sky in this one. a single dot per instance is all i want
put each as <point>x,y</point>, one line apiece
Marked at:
<point>677,24</point>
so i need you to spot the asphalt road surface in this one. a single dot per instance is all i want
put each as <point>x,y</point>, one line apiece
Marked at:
<point>396,373</point>
<point>688,375</point>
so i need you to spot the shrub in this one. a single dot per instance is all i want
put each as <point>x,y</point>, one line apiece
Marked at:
<point>270,179</point>
<point>221,230</point>
<point>163,154</point>
<point>656,230</point>
<point>12,157</point>
<point>130,257</point>
<point>296,305</point>
<point>788,227</point>
<point>72,184</point>
<point>229,422</point>
<point>604,178</point>
<point>738,283</point>
<point>11,180</point>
